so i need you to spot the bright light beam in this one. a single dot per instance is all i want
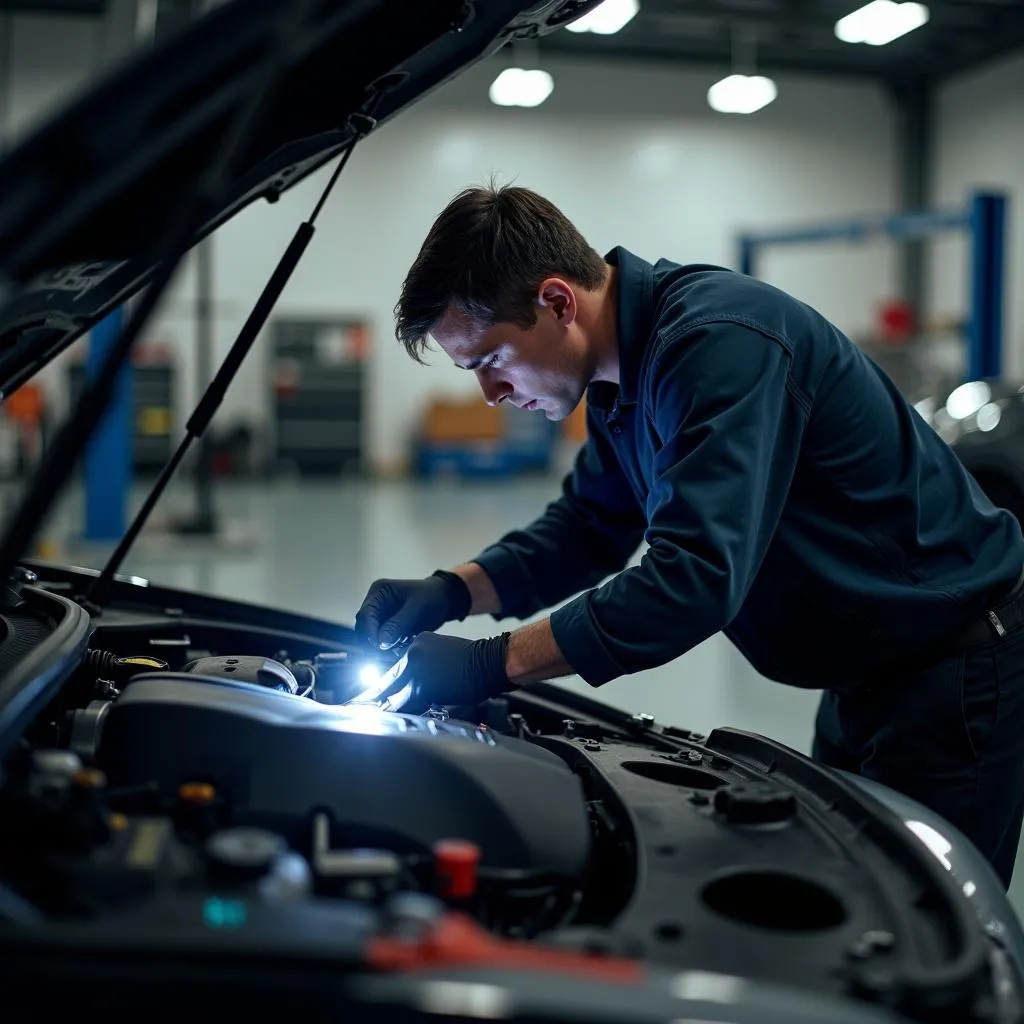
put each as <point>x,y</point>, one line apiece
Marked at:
<point>369,675</point>
<point>377,682</point>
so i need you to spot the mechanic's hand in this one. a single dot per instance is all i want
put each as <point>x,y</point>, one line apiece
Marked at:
<point>450,670</point>
<point>395,610</point>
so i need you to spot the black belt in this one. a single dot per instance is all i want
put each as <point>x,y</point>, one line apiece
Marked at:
<point>998,621</point>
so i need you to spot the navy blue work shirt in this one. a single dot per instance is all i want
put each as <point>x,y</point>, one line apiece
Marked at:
<point>788,494</point>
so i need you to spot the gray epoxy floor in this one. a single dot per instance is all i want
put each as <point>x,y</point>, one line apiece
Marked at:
<point>314,547</point>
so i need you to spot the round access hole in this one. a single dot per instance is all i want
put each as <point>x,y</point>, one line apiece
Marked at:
<point>674,774</point>
<point>771,899</point>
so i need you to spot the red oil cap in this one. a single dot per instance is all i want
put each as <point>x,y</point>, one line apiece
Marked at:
<point>455,864</point>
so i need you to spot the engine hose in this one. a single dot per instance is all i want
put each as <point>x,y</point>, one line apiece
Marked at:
<point>305,676</point>
<point>100,662</point>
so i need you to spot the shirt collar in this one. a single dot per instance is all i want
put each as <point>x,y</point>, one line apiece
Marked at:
<point>634,311</point>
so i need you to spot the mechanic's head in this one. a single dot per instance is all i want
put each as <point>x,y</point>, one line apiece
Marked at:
<point>510,289</point>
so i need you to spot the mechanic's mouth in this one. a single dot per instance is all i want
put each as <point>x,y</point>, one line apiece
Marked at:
<point>530,406</point>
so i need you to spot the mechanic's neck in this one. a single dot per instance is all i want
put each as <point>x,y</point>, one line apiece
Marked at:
<point>602,329</point>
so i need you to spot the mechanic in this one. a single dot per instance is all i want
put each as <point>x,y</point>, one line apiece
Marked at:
<point>787,493</point>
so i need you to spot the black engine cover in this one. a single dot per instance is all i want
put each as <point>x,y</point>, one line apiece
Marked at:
<point>386,780</point>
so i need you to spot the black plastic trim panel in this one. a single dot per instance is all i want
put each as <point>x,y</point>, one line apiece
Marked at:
<point>35,680</point>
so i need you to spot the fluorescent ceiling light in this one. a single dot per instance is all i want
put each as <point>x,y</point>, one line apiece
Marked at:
<point>741,94</point>
<point>880,22</point>
<point>517,87</point>
<point>606,19</point>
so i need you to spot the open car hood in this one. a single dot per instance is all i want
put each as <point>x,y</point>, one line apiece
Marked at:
<point>83,198</point>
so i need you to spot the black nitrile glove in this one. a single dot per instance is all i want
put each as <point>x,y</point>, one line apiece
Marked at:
<point>395,610</point>
<point>450,670</point>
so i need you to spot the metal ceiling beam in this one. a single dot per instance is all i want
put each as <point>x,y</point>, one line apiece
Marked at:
<point>798,35</point>
<point>948,58</point>
<point>1007,38</point>
<point>961,34</point>
<point>712,56</point>
<point>79,7</point>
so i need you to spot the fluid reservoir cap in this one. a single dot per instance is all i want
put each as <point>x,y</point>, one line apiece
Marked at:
<point>754,803</point>
<point>455,866</point>
<point>197,794</point>
<point>89,778</point>
<point>244,853</point>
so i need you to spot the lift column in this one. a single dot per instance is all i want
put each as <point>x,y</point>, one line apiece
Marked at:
<point>988,281</point>
<point>108,459</point>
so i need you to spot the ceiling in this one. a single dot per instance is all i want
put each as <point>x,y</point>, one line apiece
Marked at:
<point>798,35</point>
<point>787,35</point>
<point>96,7</point>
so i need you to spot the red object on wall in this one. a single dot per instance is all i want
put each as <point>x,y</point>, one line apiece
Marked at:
<point>896,322</point>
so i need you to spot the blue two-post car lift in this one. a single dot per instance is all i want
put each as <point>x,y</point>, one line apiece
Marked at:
<point>984,220</point>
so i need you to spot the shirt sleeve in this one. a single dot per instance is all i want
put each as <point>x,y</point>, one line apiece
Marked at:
<point>729,427</point>
<point>590,532</point>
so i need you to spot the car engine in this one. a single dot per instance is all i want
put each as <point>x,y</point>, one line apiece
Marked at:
<point>353,777</point>
<point>251,778</point>
<point>223,788</point>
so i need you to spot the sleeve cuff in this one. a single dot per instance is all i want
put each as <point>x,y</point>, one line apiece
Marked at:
<point>580,640</point>
<point>510,580</point>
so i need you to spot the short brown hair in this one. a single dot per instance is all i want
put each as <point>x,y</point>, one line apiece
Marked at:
<point>486,254</point>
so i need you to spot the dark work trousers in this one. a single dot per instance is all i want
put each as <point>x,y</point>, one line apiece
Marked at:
<point>950,735</point>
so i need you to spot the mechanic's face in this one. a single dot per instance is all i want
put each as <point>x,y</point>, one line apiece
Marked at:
<point>546,367</point>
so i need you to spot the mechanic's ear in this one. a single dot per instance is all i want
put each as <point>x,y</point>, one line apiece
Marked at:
<point>558,296</point>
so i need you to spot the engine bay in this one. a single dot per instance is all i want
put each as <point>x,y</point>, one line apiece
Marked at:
<point>278,775</point>
<point>205,779</point>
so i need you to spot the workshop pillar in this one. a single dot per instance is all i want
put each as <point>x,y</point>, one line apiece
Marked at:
<point>914,100</point>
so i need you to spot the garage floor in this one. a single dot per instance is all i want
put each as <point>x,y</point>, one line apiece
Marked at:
<point>315,547</point>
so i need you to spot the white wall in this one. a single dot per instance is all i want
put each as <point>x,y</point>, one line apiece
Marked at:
<point>50,56</point>
<point>678,183</point>
<point>632,154</point>
<point>980,145</point>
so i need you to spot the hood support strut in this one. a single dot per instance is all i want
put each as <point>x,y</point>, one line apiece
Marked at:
<point>361,124</point>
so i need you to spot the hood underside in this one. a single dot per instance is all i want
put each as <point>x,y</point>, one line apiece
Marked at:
<point>86,198</point>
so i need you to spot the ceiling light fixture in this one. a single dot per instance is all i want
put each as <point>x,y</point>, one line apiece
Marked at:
<point>880,22</point>
<point>741,93</point>
<point>519,87</point>
<point>608,18</point>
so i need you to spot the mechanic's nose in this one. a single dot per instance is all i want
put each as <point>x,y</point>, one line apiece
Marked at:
<point>495,391</point>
